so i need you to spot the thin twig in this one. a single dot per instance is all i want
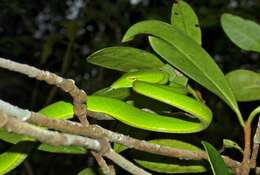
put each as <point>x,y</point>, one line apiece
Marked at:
<point>102,163</point>
<point>79,96</point>
<point>125,164</point>
<point>112,169</point>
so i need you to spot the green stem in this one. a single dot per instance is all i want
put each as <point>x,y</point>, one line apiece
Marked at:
<point>253,114</point>
<point>194,93</point>
<point>240,118</point>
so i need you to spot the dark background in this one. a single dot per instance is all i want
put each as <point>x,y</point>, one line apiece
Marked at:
<point>59,35</point>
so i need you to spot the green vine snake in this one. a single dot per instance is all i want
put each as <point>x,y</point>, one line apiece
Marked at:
<point>152,84</point>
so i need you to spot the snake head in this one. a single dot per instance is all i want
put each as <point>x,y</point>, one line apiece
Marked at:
<point>150,76</point>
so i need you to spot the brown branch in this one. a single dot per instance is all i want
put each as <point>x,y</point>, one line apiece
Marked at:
<point>112,169</point>
<point>102,163</point>
<point>79,96</point>
<point>245,165</point>
<point>95,131</point>
<point>55,138</point>
<point>124,163</point>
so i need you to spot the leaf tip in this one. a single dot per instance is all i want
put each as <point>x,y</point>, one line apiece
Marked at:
<point>126,38</point>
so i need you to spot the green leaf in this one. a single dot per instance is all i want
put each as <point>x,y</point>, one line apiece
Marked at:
<point>245,84</point>
<point>163,164</point>
<point>13,157</point>
<point>174,75</point>
<point>244,33</point>
<point>227,143</point>
<point>87,171</point>
<point>181,80</point>
<point>207,74</point>
<point>125,59</point>
<point>12,137</point>
<point>186,55</point>
<point>119,147</point>
<point>216,162</point>
<point>184,18</point>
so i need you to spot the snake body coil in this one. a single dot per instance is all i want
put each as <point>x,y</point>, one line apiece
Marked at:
<point>148,86</point>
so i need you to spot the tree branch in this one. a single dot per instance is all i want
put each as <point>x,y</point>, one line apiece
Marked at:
<point>79,96</point>
<point>102,163</point>
<point>55,138</point>
<point>97,132</point>
<point>124,163</point>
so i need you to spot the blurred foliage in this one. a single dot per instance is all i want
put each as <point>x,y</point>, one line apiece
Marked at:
<point>59,35</point>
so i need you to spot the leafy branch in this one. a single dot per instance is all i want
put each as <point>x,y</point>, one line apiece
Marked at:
<point>179,44</point>
<point>92,137</point>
